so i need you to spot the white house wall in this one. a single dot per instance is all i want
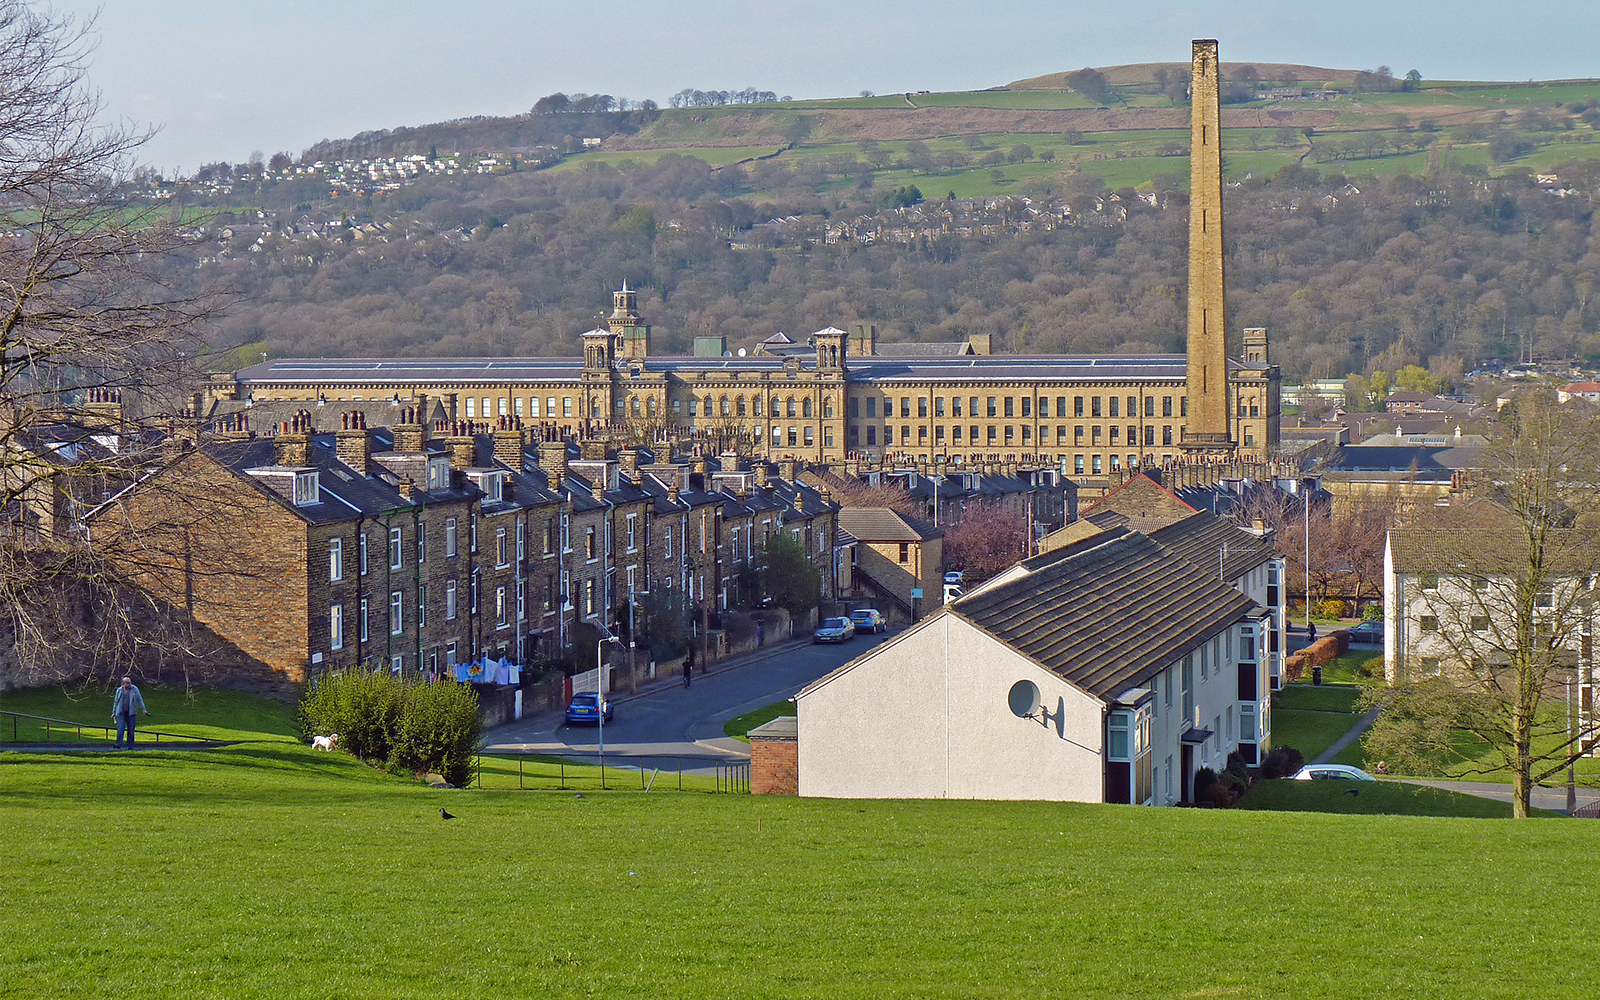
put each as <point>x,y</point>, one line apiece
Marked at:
<point>927,716</point>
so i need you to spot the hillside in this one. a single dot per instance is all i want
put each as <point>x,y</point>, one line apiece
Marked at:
<point>1133,74</point>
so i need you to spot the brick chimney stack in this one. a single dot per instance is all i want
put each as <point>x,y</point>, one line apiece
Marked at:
<point>460,446</point>
<point>292,447</point>
<point>508,443</point>
<point>788,468</point>
<point>353,443</point>
<point>410,436</point>
<point>553,460</point>
<point>629,460</point>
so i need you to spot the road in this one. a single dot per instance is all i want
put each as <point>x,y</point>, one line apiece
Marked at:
<point>670,719</point>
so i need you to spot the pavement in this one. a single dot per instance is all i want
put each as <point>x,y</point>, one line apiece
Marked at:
<point>664,720</point>
<point>1542,797</point>
<point>1362,725</point>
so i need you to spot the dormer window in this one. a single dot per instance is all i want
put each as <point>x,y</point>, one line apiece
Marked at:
<point>490,484</point>
<point>438,473</point>
<point>307,488</point>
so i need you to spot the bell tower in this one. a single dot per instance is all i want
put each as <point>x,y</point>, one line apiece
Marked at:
<point>1209,429</point>
<point>632,332</point>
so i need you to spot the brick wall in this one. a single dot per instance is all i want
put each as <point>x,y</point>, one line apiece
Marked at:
<point>774,766</point>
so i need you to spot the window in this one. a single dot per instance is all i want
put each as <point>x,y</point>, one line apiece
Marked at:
<point>991,410</point>
<point>905,552</point>
<point>397,620</point>
<point>667,543</point>
<point>1183,406</point>
<point>450,537</point>
<point>472,532</point>
<point>472,407</point>
<point>1077,465</point>
<point>938,406</point>
<point>566,406</point>
<point>589,549</point>
<point>422,605</point>
<point>872,407</point>
<point>1112,404</point>
<point>1150,436</point>
<point>522,545</point>
<point>588,598</point>
<point>361,620</point>
<point>1429,623</point>
<point>633,525</point>
<point>336,627</point>
<point>1166,689</point>
<point>472,597</point>
<point>450,600</point>
<point>1430,581</point>
<point>396,558</point>
<point>1094,406</point>
<point>922,406</point>
<point>500,608</point>
<point>1009,403</point>
<point>1430,666</point>
<point>1094,465</point>
<point>335,560</point>
<point>1227,722</point>
<point>522,599</point>
<point>1166,435</point>
<point>361,552</point>
<point>1247,723</point>
<point>502,552</point>
<point>852,407</point>
<point>450,654</point>
<point>1077,406</point>
<point>1166,406</point>
<point>1480,623</point>
<point>397,665</point>
<point>1149,406</point>
<point>1544,599</point>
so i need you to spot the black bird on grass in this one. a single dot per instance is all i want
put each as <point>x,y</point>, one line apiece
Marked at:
<point>445,815</point>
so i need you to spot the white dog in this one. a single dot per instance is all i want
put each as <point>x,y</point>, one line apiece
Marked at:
<point>324,742</point>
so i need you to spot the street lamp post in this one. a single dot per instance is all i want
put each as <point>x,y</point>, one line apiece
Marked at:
<point>600,685</point>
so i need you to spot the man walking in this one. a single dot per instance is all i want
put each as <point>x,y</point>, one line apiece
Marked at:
<point>127,703</point>
<point>688,664</point>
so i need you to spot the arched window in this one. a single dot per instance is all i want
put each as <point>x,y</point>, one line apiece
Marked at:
<point>774,411</point>
<point>724,405</point>
<point>806,406</point>
<point>790,406</point>
<point>827,409</point>
<point>710,407</point>
<point>738,405</point>
<point>650,406</point>
<point>633,406</point>
<point>755,401</point>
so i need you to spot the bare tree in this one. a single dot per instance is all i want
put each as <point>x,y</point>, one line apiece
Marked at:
<point>96,351</point>
<point>1494,606</point>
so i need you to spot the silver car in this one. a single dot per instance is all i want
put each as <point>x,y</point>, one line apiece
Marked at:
<point>1334,772</point>
<point>834,630</point>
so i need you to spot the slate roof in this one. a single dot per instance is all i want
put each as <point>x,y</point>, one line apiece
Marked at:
<point>1108,612</point>
<point>880,524</point>
<point>1200,539</point>
<point>914,349</point>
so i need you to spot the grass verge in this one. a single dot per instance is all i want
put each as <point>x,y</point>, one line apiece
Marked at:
<point>1388,798</point>
<point>269,870</point>
<point>211,713</point>
<point>740,725</point>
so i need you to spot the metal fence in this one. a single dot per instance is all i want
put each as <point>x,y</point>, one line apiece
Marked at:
<point>575,769</point>
<point>52,728</point>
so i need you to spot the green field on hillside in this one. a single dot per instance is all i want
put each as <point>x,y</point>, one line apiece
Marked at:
<point>270,870</point>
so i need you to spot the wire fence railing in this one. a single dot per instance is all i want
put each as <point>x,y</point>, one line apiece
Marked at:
<point>581,769</point>
<point>19,727</point>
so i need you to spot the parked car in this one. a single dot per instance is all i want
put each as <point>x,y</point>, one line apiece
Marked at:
<point>1368,633</point>
<point>1333,772</point>
<point>834,630</point>
<point>584,707</point>
<point>869,620</point>
<point>952,591</point>
<point>955,576</point>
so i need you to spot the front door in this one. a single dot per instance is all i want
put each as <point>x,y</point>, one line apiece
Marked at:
<point>1185,772</point>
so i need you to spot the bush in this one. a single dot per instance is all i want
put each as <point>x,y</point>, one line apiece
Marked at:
<point>438,731</point>
<point>1331,608</point>
<point>1237,767</point>
<point>1372,612</point>
<point>363,708</point>
<point>381,718</point>
<point>1204,778</point>
<point>1282,762</point>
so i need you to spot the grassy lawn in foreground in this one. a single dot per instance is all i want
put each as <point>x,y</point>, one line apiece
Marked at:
<point>212,713</point>
<point>740,725</point>
<point>271,870</point>
<point>1390,798</point>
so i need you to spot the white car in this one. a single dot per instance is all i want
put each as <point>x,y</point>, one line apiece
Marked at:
<point>1333,772</point>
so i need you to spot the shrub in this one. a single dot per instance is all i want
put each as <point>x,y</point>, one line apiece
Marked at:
<point>381,718</point>
<point>363,708</point>
<point>1372,612</point>
<point>1282,762</point>
<point>1204,779</point>
<point>1237,767</point>
<point>438,731</point>
<point>1331,608</point>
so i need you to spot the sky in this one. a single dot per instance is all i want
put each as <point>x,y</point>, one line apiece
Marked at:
<point>223,78</point>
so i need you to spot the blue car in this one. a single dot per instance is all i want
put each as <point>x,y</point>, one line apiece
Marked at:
<point>584,708</point>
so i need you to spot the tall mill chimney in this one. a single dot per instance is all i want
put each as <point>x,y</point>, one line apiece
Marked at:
<point>1208,430</point>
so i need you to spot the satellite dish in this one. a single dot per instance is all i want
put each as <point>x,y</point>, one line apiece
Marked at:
<point>1024,699</point>
<point>741,352</point>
